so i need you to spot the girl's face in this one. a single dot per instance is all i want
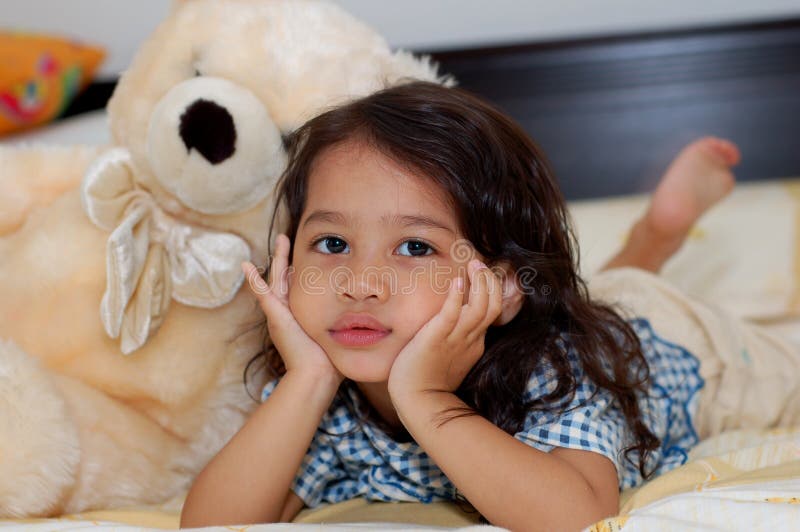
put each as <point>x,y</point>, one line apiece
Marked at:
<point>375,239</point>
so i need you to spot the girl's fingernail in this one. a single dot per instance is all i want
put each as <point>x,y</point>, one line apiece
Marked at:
<point>260,283</point>
<point>479,265</point>
<point>254,278</point>
<point>459,284</point>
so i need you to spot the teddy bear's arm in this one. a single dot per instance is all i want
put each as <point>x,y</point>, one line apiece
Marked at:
<point>33,177</point>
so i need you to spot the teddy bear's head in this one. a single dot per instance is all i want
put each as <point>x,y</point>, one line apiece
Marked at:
<point>199,119</point>
<point>203,106</point>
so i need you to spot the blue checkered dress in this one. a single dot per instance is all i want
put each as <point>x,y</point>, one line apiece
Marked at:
<point>366,462</point>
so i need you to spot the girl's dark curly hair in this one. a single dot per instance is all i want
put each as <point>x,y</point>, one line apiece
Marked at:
<point>510,208</point>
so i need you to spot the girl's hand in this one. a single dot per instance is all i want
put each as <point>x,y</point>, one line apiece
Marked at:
<point>297,349</point>
<point>444,350</point>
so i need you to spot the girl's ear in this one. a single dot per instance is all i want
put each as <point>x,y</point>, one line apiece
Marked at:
<point>513,295</point>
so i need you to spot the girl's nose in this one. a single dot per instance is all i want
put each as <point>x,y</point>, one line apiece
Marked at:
<point>369,282</point>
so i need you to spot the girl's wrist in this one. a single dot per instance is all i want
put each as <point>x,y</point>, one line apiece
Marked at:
<point>321,379</point>
<point>399,391</point>
<point>409,400</point>
<point>426,407</point>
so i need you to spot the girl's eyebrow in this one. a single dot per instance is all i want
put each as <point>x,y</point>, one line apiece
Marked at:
<point>404,220</point>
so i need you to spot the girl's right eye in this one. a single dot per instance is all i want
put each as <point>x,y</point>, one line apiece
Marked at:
<point>329,245</point>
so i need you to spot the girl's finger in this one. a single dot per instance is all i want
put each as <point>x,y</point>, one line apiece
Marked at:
<point>495,305</point>
<point>258,287</point>
<point>451,309</point>
<point>255,283</point>
<point>475,309</point>
<point>278,282</point>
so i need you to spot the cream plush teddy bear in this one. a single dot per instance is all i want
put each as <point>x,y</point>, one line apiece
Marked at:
<point>124,328</point>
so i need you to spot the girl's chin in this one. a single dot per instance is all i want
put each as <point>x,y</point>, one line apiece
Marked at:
<point>362,367</point>
<point>364,374</point>
<point>366,379</point>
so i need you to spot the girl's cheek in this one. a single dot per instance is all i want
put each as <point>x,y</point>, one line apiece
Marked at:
<point>436,287</point>
<point>300,297</point>
<point>307,280</point>
<point>437,276</point>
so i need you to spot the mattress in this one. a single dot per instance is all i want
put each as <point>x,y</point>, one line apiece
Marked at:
<point>744,255</point>
<point>740,480</point>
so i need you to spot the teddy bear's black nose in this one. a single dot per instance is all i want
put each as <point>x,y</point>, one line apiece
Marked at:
<point>209,129</point>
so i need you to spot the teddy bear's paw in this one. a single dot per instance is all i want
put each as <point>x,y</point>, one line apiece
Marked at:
<point>39,445</point>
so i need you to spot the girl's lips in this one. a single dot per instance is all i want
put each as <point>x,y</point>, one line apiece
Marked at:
<point>358,337</point>
<point>358,320</point>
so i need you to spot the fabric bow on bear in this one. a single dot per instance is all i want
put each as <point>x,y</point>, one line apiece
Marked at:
<point>151,257</point>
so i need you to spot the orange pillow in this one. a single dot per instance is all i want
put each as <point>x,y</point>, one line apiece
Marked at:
<point>40,75</point>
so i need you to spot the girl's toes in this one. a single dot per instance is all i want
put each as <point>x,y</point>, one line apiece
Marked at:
<point>724,149</point>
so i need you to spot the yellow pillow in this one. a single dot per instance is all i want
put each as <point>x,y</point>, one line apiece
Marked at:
<point>40,75</point>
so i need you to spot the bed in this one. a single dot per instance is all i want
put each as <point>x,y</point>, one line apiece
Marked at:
<point>611,112</point>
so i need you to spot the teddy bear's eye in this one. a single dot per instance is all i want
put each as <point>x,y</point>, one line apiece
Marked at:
<point>197,73</point>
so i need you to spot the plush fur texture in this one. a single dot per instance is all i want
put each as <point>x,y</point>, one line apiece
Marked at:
<point>83,426</point>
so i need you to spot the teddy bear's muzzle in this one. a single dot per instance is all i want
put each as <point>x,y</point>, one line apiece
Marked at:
<point>213,145</point>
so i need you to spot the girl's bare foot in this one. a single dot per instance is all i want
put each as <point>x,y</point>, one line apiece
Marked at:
<point>696,179</point>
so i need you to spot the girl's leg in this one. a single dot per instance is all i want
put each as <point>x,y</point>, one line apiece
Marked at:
<point>752,375</point>
<point>696,179</point>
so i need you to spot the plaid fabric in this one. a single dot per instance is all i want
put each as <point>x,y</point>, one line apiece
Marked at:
<point>593,421</point>
<point>362,460</point>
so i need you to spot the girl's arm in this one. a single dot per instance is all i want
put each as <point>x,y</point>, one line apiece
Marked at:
<point>512,484</point>
<point>249,480</point>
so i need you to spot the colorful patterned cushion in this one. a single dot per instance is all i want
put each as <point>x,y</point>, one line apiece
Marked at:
<point>40,75</point>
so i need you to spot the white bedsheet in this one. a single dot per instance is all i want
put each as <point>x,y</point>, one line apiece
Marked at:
<point>88,128</point>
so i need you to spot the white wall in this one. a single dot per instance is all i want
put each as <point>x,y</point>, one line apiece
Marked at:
<point>120,25</point>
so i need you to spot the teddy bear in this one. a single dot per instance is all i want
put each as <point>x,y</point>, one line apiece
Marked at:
<point>125,330</point>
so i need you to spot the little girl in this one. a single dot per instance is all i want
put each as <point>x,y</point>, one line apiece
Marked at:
<point>431,339</point>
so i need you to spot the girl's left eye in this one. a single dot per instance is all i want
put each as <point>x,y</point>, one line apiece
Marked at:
<point>417,246</point>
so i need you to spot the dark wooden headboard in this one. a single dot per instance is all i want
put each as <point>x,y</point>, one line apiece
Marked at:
<point>612,112</point>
